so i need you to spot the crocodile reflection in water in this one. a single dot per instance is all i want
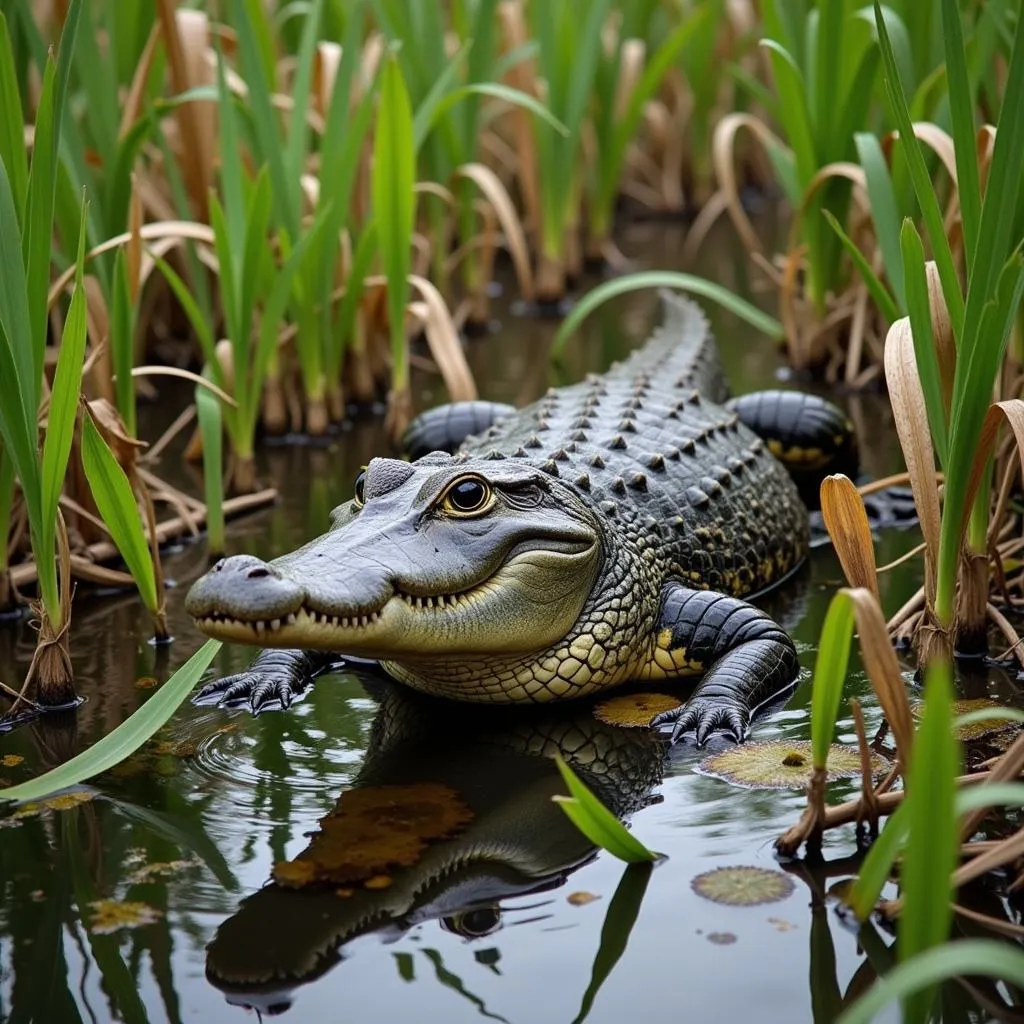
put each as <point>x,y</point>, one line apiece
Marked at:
<point>518,841</point>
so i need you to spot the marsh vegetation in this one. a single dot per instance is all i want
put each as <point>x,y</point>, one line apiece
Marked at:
<point>234,230</point>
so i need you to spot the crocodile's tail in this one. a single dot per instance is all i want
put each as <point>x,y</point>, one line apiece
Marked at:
<point>682,348</point>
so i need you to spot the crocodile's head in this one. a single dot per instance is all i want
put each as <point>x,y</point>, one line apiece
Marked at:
<point>438,558</point>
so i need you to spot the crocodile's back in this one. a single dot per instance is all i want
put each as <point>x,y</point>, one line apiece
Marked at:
<point>664,464</point>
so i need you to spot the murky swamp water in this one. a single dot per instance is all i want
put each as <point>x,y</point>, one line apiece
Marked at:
<point>513,919</point>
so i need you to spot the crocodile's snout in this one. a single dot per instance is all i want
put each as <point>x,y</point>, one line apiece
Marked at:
<point>244,587</point>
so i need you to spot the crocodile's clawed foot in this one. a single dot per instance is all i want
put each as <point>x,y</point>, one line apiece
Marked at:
<point>256,691</point>
<point>706,718</point>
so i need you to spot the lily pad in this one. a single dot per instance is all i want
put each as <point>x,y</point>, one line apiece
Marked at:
<point>976,730</point>
<point>783,764</point>
<point>634,710</point>
<point>374,830</point>
<point>742,886</point>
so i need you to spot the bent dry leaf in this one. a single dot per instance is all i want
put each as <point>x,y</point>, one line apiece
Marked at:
<point>597,823</point>
<point>126,738</point>
<point>846,520</point>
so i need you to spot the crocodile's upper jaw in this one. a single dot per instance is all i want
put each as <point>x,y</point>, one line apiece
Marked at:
<point>403,576</point>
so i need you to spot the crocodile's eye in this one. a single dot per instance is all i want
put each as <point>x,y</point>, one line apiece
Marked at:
<point>359,484</point>
<point>468,496</point>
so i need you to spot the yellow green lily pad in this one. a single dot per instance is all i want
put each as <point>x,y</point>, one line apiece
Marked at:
<point>634,710</point>
<point>976,730</point>
<point>783,764</point>
<point>742,886</point>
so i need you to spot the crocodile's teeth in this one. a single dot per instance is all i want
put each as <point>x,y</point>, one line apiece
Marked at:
<point>275,624</point>
<point>344,622</point>
<point>374,616</point>
<point>440,601</point>
<point>290,618</point>
<point>430,602</point>
<point>334,621</point>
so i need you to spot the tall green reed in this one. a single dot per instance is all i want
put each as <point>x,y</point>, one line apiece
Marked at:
<point>256,285</point>
<point>980,316</point>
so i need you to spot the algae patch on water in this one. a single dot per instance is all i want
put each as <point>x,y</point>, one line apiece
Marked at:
<point>783,764</point>
<point>374,830</point>
<point>742,886</point>
<point>634,710</point>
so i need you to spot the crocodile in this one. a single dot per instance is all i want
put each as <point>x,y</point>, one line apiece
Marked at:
<point>612,531</point>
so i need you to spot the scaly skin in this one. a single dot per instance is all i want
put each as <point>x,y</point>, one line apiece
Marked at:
<point>626,518</point>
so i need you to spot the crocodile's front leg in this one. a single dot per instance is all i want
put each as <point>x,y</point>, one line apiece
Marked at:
<point>273,680</point>
<point>747,660</point>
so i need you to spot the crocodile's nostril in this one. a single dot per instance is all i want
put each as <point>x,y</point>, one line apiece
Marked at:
<point>219,565</point>
<point>258,573</point>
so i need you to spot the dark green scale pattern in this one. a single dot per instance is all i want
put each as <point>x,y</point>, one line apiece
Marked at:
<point>673,474</point>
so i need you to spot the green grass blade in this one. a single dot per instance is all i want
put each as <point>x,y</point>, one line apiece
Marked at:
<point>933,842</point>
<point>990,715</point>
<point>922,181</point>
<point>116,503</point>
<point>793,110</point>
<point>36,242</point>
<point>430,109</point>
<point>884,210</point>
<point>15,318</point>
<point>623,910</point>
<point>211,427</point>
<point>17,366</point>
<point>596,822</point>
<point>995,232</point>
<point>229,272</point>
<point>825,100</point>
<point>877,866</point>
<point>298,136</point>
<point>663,279</point>
<point>915,286</point>
<point>268,133</point>
<point>231,173</point>
<point>961,108</point>
<point>830,675</point>
<point>985,957</point>
<point>971,393</point>
<point>992,794</point>
<point>122,343</point>
<point>879,293</point>
<point>514,97</point>
<point>126,738</point>
<point>13,152</point>
<point>394,204</point>
<point>60,421</point>
<point>195,316</point>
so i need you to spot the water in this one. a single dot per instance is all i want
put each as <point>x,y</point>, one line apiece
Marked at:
<point>484,927</point>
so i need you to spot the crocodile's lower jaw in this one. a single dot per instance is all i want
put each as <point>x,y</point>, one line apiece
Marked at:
<point>508,613</point>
